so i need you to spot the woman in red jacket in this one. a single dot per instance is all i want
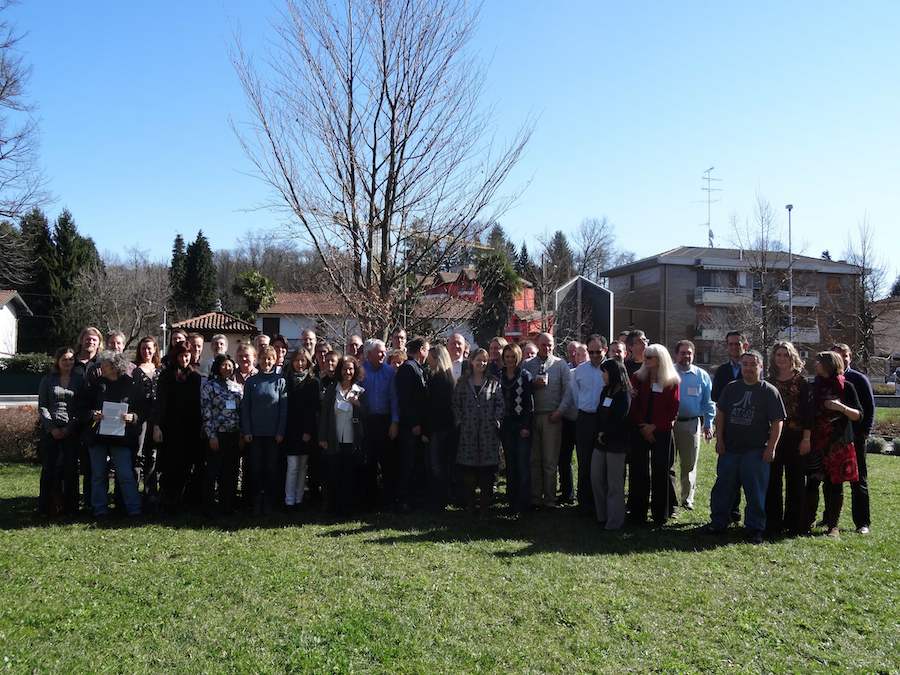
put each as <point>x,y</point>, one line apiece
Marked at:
<point>653,412</point>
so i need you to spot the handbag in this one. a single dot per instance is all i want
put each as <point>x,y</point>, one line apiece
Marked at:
<point>840,463</point>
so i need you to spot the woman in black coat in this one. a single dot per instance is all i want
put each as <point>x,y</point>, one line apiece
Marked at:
<point>302,423</point>
<point>179,426</point>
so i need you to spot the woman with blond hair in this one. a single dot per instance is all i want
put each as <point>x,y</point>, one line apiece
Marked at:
<point>787,477</point>
<point>653,413</point>
<point>440,425</point>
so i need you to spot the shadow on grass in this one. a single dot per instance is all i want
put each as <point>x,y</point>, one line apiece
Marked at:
<point>561,530</point>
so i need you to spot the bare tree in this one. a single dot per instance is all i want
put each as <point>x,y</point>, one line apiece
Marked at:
<point>367,127</point>
<point>767,267</point>
<point>862,251</point>
<point>128,295</point>
<point>596,249</point>
<point>21,181</point>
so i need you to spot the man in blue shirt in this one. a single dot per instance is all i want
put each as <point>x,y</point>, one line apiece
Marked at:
<point>382,419</point>
<point>696,410</point>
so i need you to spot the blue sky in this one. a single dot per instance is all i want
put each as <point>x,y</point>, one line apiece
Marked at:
<point>798,102</point>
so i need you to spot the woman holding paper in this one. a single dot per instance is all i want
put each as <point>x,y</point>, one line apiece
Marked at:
<point>114,424</point>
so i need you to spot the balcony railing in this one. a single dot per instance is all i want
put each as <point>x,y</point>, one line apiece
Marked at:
<point>714,334</point>
<point>721,295</point>
<point>806,334</point>
<point>802,299</point>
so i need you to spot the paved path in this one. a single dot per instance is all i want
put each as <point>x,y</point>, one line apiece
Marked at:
<point>15,400</point>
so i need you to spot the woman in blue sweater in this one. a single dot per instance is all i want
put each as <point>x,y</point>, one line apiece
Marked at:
<point>263,421</point>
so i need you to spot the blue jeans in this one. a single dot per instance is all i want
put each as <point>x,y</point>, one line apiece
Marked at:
<point>121,458</point>
<point>734,471</point>
<point>518,465</point>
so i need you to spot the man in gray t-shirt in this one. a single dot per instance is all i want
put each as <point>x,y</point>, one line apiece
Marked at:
<point>748,423</point>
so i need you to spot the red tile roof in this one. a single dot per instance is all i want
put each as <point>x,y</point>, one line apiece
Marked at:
<point>306,304</point>
<point>218,321</point>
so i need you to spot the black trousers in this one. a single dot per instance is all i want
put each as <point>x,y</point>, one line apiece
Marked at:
<point>652,478</point>
<point>180,467</point>
<point>59,475</point>
<point>478,477</point>
<point>340,471</point>
<point>411,456</point>
<point>265,455</point>
<point>222,472</point>
<point>566,447</point>
<point>585,439</point>
<point>381,457</point>
<point>786,496</point>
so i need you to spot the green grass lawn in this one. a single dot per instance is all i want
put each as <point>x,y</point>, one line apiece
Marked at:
<point>416,593</point>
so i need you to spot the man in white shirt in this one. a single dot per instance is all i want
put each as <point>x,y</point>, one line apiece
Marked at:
<point>584,392</point>
<point>456,346</point>
<point>550,382</point>
<point>696,410</point>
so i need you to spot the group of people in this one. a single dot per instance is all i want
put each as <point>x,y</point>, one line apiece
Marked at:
<point>415,425</point>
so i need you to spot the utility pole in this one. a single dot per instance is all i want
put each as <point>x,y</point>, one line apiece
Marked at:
<point>790,207</point>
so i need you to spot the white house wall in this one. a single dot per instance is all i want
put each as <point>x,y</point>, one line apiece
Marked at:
<point>8,331</point>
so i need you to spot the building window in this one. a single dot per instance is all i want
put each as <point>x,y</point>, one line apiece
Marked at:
<point>271,325</point>
<point>631,283</point>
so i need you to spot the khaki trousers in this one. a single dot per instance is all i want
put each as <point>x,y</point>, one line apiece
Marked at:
<point>545,440</point>
<point>687,445</point>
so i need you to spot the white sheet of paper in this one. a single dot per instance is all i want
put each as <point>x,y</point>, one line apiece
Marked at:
<point>112,423</point>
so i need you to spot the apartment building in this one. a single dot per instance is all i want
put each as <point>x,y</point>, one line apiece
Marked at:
<point>700,293</point>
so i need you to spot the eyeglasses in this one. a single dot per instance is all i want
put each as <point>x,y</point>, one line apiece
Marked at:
<point>595,351</point>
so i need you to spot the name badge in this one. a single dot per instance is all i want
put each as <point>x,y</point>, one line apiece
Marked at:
<point>656,388</point>
<point>343,406</point>
<point>231,404</point>
<point>693,391</point>
<point>607,402</point>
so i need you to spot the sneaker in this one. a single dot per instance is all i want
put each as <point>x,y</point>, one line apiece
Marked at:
<point>833,532</point>
<point>864,529</point>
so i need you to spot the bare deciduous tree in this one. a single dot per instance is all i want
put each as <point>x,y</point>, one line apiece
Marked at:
<point>862,252</point>
<point>367,127</point>
<point>596,249</point>
<point>127,295</point>
<point>21,181</point>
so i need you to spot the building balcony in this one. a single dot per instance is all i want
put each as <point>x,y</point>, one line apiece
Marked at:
<point>721,295</point>
<point>710,334</point>
<point>804,334</point>
<point>802,299</point>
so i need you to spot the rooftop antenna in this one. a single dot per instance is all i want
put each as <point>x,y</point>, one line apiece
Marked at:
<point>709,189</point>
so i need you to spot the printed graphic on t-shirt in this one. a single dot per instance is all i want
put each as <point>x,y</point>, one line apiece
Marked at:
<point>743,411</point>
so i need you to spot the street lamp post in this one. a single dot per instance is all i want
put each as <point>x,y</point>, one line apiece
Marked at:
<point>790,207</point>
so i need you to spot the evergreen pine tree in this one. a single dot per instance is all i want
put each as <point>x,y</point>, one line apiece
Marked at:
<point>35,331</point>
<point>177,270</point>
<point>71,255</point>
<point>560,258</point>
<point>200,276</point>
<point>524,266</point>
<point>500,283</point>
